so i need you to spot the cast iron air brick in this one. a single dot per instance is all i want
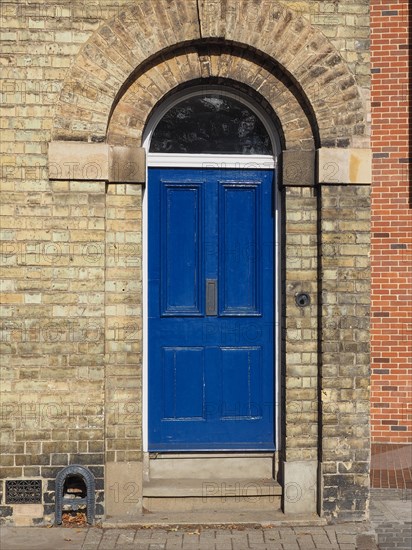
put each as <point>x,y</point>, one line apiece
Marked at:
<point>23,491</point>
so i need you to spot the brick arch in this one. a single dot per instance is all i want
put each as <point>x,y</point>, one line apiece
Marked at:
<point>211,65</point>
<point>144,30</point>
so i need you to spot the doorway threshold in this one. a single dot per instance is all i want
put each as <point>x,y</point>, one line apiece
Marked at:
<point>211,465</point>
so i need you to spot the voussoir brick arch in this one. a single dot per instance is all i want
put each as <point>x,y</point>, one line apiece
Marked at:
<point>109,62</point>
<point>209,65</point>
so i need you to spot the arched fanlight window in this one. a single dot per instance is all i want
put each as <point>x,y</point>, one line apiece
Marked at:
<point>211,123</point>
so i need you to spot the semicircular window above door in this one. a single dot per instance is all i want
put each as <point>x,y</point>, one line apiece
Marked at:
<point>211,124</point>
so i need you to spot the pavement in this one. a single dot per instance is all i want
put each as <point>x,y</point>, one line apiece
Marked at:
<point>391,517</point>
<point>342,537</point>
<point>390,527</point>
<point>391,466</point>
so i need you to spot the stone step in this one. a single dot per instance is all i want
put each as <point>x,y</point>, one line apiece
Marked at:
<point>190,495</point>
<point>231,487</point>
<point>212,518</point>
<point>200,504</point>
<point>212,466</point>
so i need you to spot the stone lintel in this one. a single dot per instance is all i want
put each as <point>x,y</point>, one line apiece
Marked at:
<point>298,168</point>
<point>84,161</point>
<point>300,487</point>
<point>345,166</point>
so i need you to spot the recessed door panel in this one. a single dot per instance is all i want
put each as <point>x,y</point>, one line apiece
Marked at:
<point>181,253</point>
<point>239,245</point>
<point>241,399</point>
<point>183,375</point>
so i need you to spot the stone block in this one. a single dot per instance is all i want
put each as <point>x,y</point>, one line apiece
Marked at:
<point>23,514</point>
<point>300,487</point>
<point>127,165</point>
<point>123,489</point>
<point>345,166</point>
<point>298,168</point>
<point>95,162</point>
<point>78,161</point>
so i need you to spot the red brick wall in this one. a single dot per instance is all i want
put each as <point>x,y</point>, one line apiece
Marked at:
<point>391,254</point>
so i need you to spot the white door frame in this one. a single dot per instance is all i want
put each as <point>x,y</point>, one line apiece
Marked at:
<point>239,162</point>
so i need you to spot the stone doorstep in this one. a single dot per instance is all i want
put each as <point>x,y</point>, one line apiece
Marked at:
<point>209,488</point>
<point>212,467</point>
<point>224,495</point>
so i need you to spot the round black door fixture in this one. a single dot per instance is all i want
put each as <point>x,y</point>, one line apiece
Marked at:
<point>302,299</point>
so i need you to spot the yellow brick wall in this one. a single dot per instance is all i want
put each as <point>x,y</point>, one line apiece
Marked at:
<point>71,313</point>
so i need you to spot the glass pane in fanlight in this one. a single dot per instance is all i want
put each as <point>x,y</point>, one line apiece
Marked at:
<point>211,124</point>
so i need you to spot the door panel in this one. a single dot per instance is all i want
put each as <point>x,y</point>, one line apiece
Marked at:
<point>183,375</point>
<point>241,399</point>
<point>181,237</point>
<point>210,364</point>
<point>239,239</point>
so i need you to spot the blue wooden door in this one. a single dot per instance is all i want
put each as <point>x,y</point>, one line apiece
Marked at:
<point>211,310</point>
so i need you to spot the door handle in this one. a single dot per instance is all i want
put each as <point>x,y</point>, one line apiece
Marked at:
<point>211,297</point>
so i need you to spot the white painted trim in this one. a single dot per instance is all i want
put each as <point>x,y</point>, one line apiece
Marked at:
<point>278,287</point>
<point>145,332</point>
<point>239,162</point>
<point>215,161</point>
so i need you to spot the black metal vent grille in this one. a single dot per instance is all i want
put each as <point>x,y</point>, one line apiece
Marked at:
<point>23,491</point>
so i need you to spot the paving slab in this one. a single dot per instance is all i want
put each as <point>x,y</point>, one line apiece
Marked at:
<point>42,538</point>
